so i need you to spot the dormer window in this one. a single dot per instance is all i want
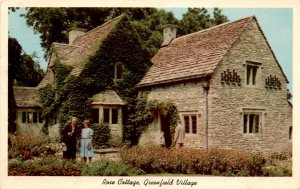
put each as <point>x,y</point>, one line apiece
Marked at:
<point>251,72</point>
<point>119,70</point>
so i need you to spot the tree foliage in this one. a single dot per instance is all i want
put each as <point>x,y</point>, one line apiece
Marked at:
<point>22,68</point>
<point>196,19</point>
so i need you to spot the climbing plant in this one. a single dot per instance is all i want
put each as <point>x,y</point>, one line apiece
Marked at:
<point>74,97</point>
<point>166,108</point>
<point>61,72</point>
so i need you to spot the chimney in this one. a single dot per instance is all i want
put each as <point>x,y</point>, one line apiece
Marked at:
<point>169,32</point>
<point>74,33</point>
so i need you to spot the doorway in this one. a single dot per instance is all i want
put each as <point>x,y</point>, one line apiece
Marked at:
<point>165,127</point>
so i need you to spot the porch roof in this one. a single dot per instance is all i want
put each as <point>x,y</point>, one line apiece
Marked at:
<point>107,97</point>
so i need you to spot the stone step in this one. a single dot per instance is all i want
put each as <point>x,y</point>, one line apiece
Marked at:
<point>106,151</point>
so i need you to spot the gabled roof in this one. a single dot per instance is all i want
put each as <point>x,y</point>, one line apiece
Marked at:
<point>194,55</point>
<point>89,41</point>
<point>107,97</point>
<point>45,80</point>
<point>82,48</point>
<point>27,96</point>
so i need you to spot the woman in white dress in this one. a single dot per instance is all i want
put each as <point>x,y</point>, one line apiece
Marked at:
<point>86,147</point>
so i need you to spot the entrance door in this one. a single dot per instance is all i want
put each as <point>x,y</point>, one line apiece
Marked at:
<point>165,127</point>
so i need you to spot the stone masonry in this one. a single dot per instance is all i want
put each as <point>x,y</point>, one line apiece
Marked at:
<point>228,102</point>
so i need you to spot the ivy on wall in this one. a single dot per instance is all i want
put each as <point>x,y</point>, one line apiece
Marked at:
<point>166,108</point>
<point>61,73</point>
<point>122,44</point>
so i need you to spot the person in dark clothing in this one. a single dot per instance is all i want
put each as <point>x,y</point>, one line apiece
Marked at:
<point>70,136</point>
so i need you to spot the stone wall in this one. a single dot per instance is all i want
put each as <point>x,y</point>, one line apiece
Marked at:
<point>27,129</point>
<point>189,99</point>
<point>226,101</point>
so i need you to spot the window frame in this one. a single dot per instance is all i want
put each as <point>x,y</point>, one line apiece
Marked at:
<point>108,109</point>
<point>255,113</point>
<point>250,66</point>
<point>36,117</point>
<point>192,127</point>
<point>94,113</point>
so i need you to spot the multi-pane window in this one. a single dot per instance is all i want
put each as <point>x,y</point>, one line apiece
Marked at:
<point>110,115</point>
<point>32,117</point>
<point>190,123</point>
<point>252,122</point>
<point>251,73</point>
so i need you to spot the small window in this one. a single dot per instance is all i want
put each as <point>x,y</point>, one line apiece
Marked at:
<point>190,123</point>
<point>95,115</point>
<point>23,117</point>
<point>187,124</point>
<point>106,115</point>
<point>252,122</point>
<point>118,70</point>
<point>114,116</point>
<point>251,74</point>
<point>194,124</point>
<point>290,132</point>
<point>29,117</point>
<point>34,119</point>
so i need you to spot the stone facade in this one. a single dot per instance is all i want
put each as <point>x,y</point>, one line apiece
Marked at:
<point>26,125</point>
<point>234,104</point>
<point>189,99</point>
<point>227,101</point>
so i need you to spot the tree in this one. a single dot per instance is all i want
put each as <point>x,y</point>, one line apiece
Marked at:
<point>28,72</point>
<point>14,59</point>
<point>22,70</point>
<point>52,23</point>
<point>197,19</point>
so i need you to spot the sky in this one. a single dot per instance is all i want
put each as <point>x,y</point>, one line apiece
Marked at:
<point>276,23</point>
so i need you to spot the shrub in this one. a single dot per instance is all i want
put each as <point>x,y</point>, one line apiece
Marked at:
<point>101,135</point>
<point>109,168</point>
<point>29,147</point>
<point>48,166</point>
<point>194,161</point>
<point>278,164</point>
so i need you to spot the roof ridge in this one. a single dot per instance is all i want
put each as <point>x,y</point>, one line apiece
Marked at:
<point>216,26</point>
<point>65,44</point>
<point>102,25</point>
<point>24,87</point>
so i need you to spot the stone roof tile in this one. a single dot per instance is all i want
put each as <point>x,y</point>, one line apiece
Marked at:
<point>193,55</point>
<point>107,97</point>
<point>27,96</point>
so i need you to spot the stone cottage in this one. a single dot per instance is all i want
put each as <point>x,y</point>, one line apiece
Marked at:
<point>106,106</point>
<point>28,114</point>
<point>228,87</point>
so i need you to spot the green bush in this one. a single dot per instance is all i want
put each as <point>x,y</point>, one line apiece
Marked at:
<point>101,135</point>
<point>194,161</point>
<point>109,168</point>
<point>28,147</point>
<point>48,166</point>
<point>278,164</point>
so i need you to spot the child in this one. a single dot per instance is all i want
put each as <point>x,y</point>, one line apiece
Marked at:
<point>86,148</point>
